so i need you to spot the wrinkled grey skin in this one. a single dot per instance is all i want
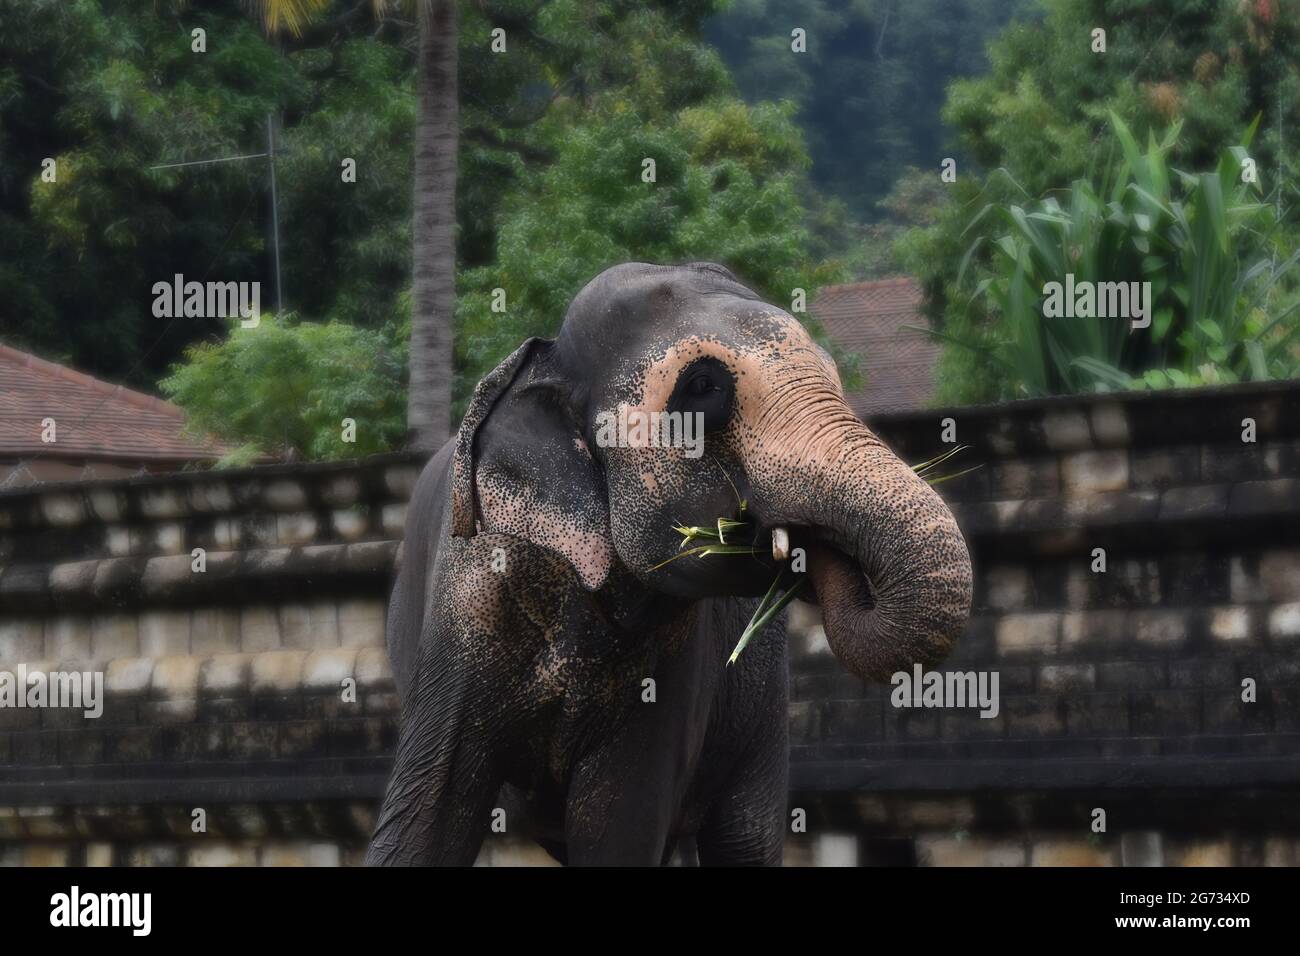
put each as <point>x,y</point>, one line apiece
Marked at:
<point>532,608</point>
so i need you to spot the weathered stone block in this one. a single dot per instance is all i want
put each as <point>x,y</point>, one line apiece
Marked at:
<point>21,639</point>
<point>221,854</point>
<point>225,675</point>
<point>1033,715</point>
<point>1097,714</point>
<point>1131,675</point>
<point>67,638</point>
<point>211,497</point>
<point>1166,467</point>
<point>947,851</point>
<point>113,636</point>
<point>373,671</point>
<point>75,578</point>
<point>129,676</point>
<point>117,541</point>
<point>1024,478</point>
<point>1066,429</point>
<point>1201,853</point>
<point>225,533</point>
<point>350,524</point>
<point>176,677</point>
<point>1284,621</point>
<point>1173,712</point>
<point>165,575</point>
<point>341,491</point>
<point>1028,633</point>
<point>361,623</point>
<point>400,480</point>
<point>164,632</point>
<point>215,631</point>
<point>1070,853</point>
<point>106,504</point>
<point>1007,586</point>
<point>293,529</point>
<point>1110,425</point>
<point>1274,496</point>
<point>277,671</point>
<point>1231,624</point>
<point>326,669</point>
<point>301,854</point>
<point>259,629</point>
<point>1194,502</point>
<point>174,710</point>
<point>168,538</point>
<point>1160,628</point>
<point>394,519</point>
<point>1067,677</point>
<point>309,626</point>
<point>63,510</point>
<point>1092,472</point>
<point>162,502</point>
<point>1141,848</point>
<point>284,494</point>
<point>1279,574</point>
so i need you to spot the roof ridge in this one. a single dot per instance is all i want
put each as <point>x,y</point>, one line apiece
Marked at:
<point>887,282</point>
<point>108,389</point>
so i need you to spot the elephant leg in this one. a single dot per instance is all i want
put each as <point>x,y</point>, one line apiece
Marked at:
<point>443,787</point>
<point>619,813</point>
<point>745,825</point>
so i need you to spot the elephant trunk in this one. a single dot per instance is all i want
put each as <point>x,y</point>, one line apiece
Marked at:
<point>891,571</point>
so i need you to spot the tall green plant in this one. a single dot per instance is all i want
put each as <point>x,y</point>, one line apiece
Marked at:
<point>1221,297</point>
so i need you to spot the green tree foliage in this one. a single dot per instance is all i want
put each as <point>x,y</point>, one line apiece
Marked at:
<point>284,388</point>
<point>1042,109</point>
<point>109,89</point>
<point>1206,243</point>
<point>869,88</point>
<point>724,191</point>
<point>1037,123</point>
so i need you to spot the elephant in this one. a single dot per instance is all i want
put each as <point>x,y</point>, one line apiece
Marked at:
<point>554,673</point>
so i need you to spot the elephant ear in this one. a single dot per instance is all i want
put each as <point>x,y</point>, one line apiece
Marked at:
<point>521,466</point>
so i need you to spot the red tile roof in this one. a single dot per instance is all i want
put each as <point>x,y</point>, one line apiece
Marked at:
<point>897,363</point>
<point>93,419</point>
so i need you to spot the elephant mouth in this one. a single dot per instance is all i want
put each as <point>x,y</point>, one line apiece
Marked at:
<point>830,569</point>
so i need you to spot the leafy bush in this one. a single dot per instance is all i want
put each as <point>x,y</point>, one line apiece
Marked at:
<point>1213,253</point>
<point>285,387</point>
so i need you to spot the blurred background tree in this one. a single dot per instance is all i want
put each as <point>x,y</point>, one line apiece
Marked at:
<point>794,169</point>
<point>1039,121</point>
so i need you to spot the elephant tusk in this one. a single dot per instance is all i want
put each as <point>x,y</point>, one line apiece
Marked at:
<point>780,544</point>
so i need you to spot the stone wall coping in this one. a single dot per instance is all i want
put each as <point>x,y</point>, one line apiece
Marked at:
<point>168,580</point>
<point>1239,391</point>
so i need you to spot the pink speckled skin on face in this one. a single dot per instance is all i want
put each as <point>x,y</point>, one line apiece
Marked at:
<point>552,664</point>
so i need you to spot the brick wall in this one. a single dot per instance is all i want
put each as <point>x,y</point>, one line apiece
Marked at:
<point>228,690</point>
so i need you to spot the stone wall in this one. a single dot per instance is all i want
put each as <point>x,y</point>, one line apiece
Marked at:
<point>1120,690</point>
<point>257,689</point>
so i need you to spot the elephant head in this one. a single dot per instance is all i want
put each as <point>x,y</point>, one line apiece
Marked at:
<point>536,457</point>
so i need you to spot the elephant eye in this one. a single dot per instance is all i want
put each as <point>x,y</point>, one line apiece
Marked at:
<point>705,386</point>
<point>701,384</point>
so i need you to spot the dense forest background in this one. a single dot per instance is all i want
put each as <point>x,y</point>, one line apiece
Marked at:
<point>797,169</point>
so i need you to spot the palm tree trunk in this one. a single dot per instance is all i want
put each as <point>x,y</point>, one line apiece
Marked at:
<point>433,298</point>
